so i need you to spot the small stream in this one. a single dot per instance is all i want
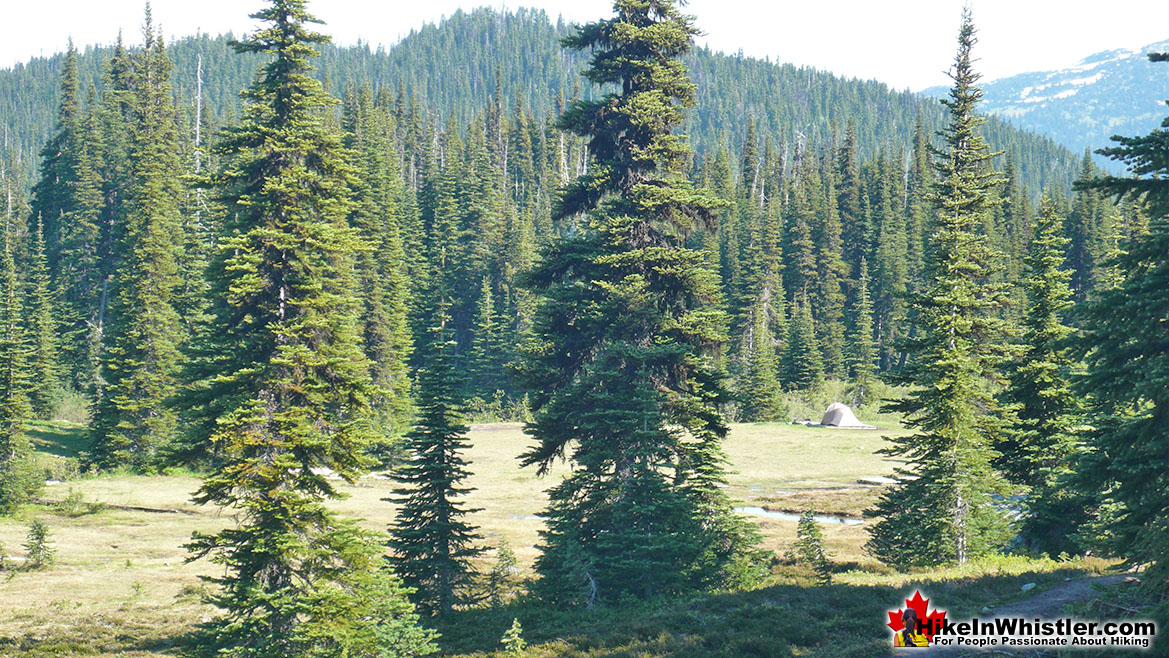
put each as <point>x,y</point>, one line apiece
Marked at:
<point>787,516</point>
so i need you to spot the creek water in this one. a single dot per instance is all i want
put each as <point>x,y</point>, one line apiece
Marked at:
<point>787,516</point>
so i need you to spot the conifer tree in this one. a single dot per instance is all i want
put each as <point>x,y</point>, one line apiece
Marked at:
<point>1038,451</point>
<point>53,193</point>
<point>486,352</point>
<point>760,388</point>
<point>513,640</point>
<point>282,388</point>
<point>944,514</point>
<point>831,273</point>
<point>802,368</point>
<point>810,547</point>
<point>918,224</point>
<point>382,268</point>
<point>620,364</point>
<point>799,251</point>
<point>502,581</point>
<point>19,480</point>
<point>67,201</point>
<point>719,181</point>
<point>446,231</point>
<point>1125,463</point>
<point>853,220</point>
<point>1083,229</point>
<point>44,367</point>
<point>889,266</point>
<point>431,543</point>
<point>133,417</point>
<point>79,274</point>
<point>863,357</point>
<point>1014,234</point>
<point>38,552</point>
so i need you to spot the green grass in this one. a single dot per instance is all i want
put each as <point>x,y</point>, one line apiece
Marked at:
<point>121,585</point>
<point>58,438</point>
<point>794,618</point>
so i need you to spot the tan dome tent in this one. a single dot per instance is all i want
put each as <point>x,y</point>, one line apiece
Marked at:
<point>839,415</point>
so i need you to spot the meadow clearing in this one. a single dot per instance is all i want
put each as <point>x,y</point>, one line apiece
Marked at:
<point>121,585</point>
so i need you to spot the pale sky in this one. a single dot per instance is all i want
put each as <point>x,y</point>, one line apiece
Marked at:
<point>905,43</point>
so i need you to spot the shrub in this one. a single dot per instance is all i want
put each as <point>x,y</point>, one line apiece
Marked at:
<point>810,547</point>
<point>38,554</point>
<point>501,581</point>
<point>75,505</point>
<point>60,468</point>
<point>513,640</point>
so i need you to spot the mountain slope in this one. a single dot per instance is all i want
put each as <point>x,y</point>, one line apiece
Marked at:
<point>451,68</point>
<point>1115,92</point>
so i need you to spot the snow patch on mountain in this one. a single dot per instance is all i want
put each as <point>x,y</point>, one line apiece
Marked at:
<point>1107,93</point>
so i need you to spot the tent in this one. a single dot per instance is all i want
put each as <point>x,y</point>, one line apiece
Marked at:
<point>839,415</point>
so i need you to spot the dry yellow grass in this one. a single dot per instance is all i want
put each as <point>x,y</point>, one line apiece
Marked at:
<point>121,586</point>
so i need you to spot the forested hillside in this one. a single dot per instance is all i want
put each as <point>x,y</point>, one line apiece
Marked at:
<point>451,69</point>
<point>1115,92</point>
<point>822,235</point>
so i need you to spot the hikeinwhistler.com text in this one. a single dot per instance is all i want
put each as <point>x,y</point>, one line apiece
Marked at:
<point>1065,632</point>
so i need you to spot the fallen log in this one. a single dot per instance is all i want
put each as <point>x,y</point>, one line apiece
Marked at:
<point>131,508</point>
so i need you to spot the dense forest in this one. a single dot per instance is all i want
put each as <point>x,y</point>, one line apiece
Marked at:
<point>471,126</point>
<point>343,265</point>
<point>451,69</point>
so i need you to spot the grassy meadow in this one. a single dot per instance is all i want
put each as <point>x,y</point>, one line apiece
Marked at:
<point>121,586</point>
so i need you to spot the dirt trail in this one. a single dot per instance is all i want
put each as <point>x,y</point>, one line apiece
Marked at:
<point>1050,602</point>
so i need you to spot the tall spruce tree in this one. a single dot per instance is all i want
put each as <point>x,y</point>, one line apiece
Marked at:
<point>760,385</point>
<point>831,273</point>
<point>1125,463</point>
<point>53,194</point>
<point>1084,229</point>
<point>889,261</point>
<point>431,543</point>
<point>1038,451</point>
<point>621,358</point>
<point>133,418</point>
<point>799,251</point>
<point>84,260</point>
<point>802,368</point>
<point>854,228</point>
<point>282,388</point>
<point>919,211</point>
<point>381,269</point>
<point>944,514</point>
<point>487,358</point>
<point>863,357</point>
<point>19,479</point>
<point>42,322</point>
<point>67,201</point>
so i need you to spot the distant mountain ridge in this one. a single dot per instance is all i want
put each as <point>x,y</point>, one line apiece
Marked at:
<point>1114,92</point>
<point>451,68</point>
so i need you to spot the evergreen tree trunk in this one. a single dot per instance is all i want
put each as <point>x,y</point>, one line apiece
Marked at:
<point>945,513</point>
<point>19,476</point>
<point>621,363</point>
<point>1038,452</point>
<point>133,418</point>
<point>42,322</point>
<point>281,386</point>
<point>431,545</point>
<point>1124,466</point>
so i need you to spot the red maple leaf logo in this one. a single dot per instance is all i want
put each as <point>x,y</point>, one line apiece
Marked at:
<point>930,622</point>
